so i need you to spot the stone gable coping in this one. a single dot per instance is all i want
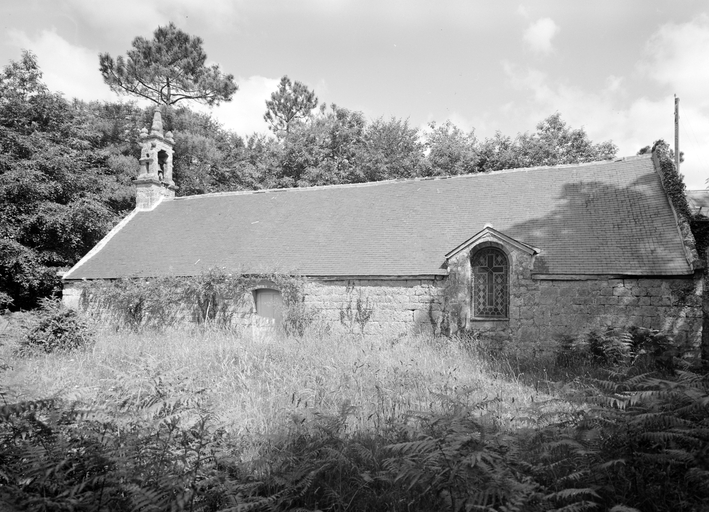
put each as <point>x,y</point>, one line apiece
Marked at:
<point>497,235</point>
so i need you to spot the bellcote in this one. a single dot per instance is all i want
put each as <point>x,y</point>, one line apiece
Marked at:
<point>154,182</point>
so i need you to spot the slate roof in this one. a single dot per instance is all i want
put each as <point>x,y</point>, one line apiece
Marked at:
<point>600,218</point>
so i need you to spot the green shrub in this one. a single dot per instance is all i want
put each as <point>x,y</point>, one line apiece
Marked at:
<point>213,298</point>
<point>57,328</point>
<point>638,347</point>
<point>357,313</point>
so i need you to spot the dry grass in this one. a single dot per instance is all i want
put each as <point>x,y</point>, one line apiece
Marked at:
<point>257,388</point>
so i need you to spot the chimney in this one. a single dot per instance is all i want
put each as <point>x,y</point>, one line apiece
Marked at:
<point>154,182</point>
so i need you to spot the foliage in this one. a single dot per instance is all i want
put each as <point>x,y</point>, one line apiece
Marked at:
<point>639,347</point>
<point>393,150</point>
<point>462,462</point>
<point>451,151</point>
<point>169,69</point>
<point>5,300</point>
<point>642,448</point>
<point>358,314</point>
<point>213,297</point>
<point>150,448</point>
<point>155,438</point>
<point>134,304</point>
<point>672,180</point>
<point>297,316</point>
<point>60,189</point>
<point>57,329</point>
<point>554,143</point>
<point>290,102</point>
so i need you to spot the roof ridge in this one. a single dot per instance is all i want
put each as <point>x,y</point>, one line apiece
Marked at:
<point>410,180</point>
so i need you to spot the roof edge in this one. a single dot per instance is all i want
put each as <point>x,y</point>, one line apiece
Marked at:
<point>600,277</point>
<point>409,180</point>
<point>96,248</point>
<point>686,237</point>
<point>503,238</point>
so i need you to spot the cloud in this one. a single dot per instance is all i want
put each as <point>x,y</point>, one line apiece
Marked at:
<point>244,113</point>
<point>69,69</point>
<point>671,63</point>
<point>539,35</point>
<point>73,71</point>
<point>676,57</point>
<point>607,114</point>
<point>143,16</point>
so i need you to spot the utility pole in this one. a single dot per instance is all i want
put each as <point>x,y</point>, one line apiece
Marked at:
<point>677,132</point>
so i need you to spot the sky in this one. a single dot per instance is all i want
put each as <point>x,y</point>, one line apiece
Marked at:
<point>609,66</point>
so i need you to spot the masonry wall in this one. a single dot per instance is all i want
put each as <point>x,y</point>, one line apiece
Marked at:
<point>71,294</point>
<point>543,309</point>
<point>377,306</point>
<point>540,310</point>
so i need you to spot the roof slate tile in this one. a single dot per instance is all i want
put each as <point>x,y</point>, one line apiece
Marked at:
<point>600,218</point>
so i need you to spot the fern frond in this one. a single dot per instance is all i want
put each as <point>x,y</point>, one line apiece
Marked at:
<point>623,508</point>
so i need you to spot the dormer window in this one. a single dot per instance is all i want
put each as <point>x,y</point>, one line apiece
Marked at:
<point>491,272</point>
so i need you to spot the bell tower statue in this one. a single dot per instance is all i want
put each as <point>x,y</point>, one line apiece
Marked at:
<point>154,182</point>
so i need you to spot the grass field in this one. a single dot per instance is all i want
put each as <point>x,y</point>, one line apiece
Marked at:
<point>204,419</point>
<point>260,387</point>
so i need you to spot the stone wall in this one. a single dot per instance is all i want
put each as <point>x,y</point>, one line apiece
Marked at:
<point>376,306</point>
<point>544,309</point>
<point>71,294</point>
<point>150,191</point>
<point>541,310</point>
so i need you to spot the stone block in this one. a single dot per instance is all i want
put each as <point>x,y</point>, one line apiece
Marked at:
<point>584,292</point>
<point>526,313</point>
<point>627,301</point>
<point>621,291</point>
<point>566,293</point>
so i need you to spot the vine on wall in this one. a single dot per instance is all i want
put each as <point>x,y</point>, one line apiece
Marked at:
<point>672,180</point>
<point>214,297</point>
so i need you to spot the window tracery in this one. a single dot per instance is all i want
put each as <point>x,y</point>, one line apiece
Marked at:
<point>490,283</point>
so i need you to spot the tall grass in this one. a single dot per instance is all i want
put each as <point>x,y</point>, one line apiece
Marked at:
<point>209,420</point>
<point>257,387</point>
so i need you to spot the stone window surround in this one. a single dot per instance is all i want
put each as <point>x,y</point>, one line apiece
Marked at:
<point>481,321</point>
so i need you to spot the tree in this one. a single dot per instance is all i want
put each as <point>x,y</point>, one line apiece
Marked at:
<point>325,151</point>
<point>291,101</point>
<point>451,151</point>
<point>554,143</point>
<point>169,69</point>
<point>391,150</point>
<point>61,189</point>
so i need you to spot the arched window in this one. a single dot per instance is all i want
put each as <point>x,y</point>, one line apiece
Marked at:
<point>491,273</point>
<point>269,305</point>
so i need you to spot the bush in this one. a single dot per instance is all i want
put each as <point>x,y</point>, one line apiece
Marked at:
<point>632,347</point>
<point>57,328</point>
<point>213,298</point>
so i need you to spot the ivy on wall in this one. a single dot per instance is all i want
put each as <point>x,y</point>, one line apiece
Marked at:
<point>214,297</point>
<point>672,180</point>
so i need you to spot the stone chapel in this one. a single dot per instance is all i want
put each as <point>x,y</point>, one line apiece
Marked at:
<point>523,254</point>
